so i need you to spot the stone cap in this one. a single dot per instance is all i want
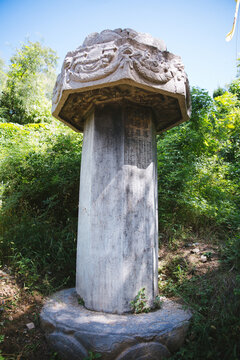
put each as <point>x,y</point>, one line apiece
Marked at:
<point>122,66</point>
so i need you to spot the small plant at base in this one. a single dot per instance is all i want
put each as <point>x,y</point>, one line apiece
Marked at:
<point>176,268</point>
<point>208,254</point>
<point>81,301</point>
<point>139,304</point>
<point>54,356</point>
<point>157,302</point>
<point>92,356</point>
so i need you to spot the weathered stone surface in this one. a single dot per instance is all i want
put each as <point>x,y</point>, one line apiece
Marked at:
<point>73,331</point>
<point>147,350</point>
<point>121,88</point>
<point>117,230</point>
<point>122,65</point>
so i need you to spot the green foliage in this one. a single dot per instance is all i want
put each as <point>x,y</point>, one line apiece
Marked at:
<point>231,252</point>
<point>54,356</point>
<point>218,92</point>
<point>199,167</point>
<point>157,302</point>
<point>199,195</point>
<point>39,173</point>
<point>208,255</point>
<point>2,75</point>
<point>176,269</point>
<point>92,356</point>
<point>199,192</point>
<point>215,302</point>
<point>1,341</point>
<point>139,304</point>
<point>234,88</point>
<point>26,92</point>
<point>81,301</point>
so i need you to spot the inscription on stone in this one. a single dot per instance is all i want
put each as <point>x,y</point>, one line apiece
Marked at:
<point>138,137</point>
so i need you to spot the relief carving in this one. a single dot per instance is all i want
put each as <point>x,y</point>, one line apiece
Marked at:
<point>94,64</point>
<point>124,66</point>
<point>100,60</point>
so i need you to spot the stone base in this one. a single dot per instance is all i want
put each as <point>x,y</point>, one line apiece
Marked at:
<point>72,330</point>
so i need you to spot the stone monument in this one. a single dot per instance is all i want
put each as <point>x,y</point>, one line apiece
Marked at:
<point>120,88</point>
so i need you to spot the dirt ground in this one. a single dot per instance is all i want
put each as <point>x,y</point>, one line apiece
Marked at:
<point>20,309</point>
<point>200,257</point>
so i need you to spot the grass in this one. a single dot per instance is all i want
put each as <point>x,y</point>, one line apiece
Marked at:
<point>212,292</point>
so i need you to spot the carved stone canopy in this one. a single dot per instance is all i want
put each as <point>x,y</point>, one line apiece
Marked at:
<point>122,66</point>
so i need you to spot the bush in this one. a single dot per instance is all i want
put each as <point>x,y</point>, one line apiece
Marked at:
<point>198,166</point>
<point>40,185</point>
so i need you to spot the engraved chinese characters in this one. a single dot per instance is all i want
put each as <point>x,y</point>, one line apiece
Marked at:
<point>117,232</point>
<point>138,137</point>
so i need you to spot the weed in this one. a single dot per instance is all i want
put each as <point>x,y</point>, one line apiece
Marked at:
<point>139,304</point>
<point>208,255</point>
<point>237,288</point>
<point>1,341</point>
<point>176,268</point>
<point>157,302</point>
<point>215,303</point>
<point>54,356</point>
<point>81,301</point>
<point>92,356</point>
<point>230,253</point>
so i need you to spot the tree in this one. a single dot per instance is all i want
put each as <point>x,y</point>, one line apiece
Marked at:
<point>234,88</point>
<point>218,92</point>
<point>2,74</point>
<point>199,165</point>
<point>25,97</point>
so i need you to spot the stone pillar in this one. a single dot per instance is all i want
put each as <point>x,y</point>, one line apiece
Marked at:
<point>117,234</point>
<point>120,88</point>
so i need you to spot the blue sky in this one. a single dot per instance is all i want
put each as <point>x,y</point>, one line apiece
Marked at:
<point>194,29</point>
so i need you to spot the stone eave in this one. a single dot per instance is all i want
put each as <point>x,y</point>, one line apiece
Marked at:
<point>56,110</point>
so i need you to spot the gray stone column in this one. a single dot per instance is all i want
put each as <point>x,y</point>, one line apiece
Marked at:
<point>120,88</point>
<point>117,232</point>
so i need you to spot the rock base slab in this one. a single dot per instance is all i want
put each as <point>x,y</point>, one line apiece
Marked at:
<point>72,330</point>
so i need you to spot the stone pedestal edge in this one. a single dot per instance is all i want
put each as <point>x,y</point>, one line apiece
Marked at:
<point>72,331</point>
